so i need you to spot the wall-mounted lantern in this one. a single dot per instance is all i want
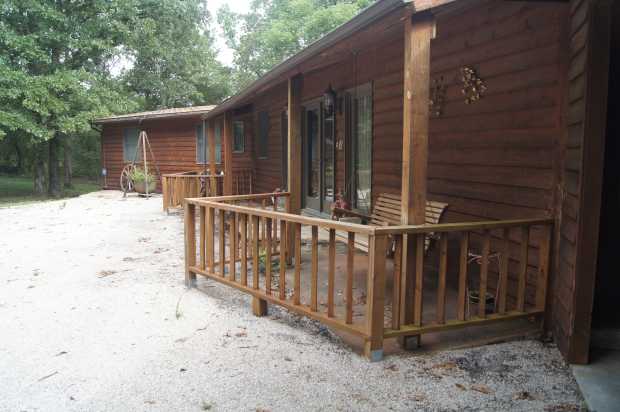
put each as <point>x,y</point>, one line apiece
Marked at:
<point>329,101</point>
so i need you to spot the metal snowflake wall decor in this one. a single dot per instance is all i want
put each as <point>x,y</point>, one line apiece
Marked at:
<point>437,97</point>
<point>473,86</point>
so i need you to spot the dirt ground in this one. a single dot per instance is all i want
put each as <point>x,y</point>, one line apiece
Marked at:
<point>94,317</point>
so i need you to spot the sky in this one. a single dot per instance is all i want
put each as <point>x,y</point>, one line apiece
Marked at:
<point>225,54</point>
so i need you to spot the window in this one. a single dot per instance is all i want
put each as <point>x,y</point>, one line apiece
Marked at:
<point>263,135</point>
<point>202,147</point>
<point>238,137</point>
<point>130,143</point>
<point>361,156</point>
<point>218,142</point>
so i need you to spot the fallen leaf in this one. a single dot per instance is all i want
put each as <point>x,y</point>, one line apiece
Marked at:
<point>393,367</point>
<point>522,395</point>
<point>105,273</point>
<point>460,386</point>
<point>482,389</point>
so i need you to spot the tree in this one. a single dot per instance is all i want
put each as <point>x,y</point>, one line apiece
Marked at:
<point>274,30</point>
<point>174,61</point>
<point>53,57</point>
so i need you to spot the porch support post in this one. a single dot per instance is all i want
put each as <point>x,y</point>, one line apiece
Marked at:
<point>419,30</point>
<point>294,174</point>
<point>212,165</point>
<point>228,183</point>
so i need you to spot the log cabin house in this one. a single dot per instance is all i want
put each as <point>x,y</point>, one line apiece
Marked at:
<point>500,109</point>
<point>178,149</point>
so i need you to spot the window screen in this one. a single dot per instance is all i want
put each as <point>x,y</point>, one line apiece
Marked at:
<point>218,142</point>
<point>130,143</point>
<point>238,136</point>
<point>202,148</point>
<point>263,135</point>
<point>362,147</point>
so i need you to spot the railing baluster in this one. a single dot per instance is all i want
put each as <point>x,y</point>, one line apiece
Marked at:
<point>222,239</point>
<point>543,268</point>
<point>275,225</point>
<point>396,298</point>
<point>419,279</point>
<point>232,241</point>
<point>525,244</point>
<point>297,281</point>
<point>331,275</point>
<point>203,246</point>
<point>255,253</point>
<point>315,270</point>
<point>462,298</point>
<point>349,286</point>
<point>268,256</point>
<point>210,243</point>
<point>282,261</point>
<point>503,272</point>
<point>441,288</point>
<point>244,249</point>
<point>484,274</point>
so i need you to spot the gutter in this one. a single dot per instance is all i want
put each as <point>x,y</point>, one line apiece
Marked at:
<point>139,119</point>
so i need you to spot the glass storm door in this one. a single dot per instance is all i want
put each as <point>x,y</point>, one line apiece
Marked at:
<point>319,159</point>
<point>312,157</point>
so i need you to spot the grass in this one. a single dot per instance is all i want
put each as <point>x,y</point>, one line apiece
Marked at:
<point>19,189</point>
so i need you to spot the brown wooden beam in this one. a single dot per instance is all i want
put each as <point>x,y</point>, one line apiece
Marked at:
<point>294,174</point>
<point>227,149</point>
<point>294,142</point>
<point>418,35</point>
<point>211,142</point>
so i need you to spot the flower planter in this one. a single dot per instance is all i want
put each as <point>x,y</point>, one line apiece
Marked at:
<point>140,187</point>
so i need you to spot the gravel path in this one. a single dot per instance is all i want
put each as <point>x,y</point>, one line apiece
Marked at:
<point>94,317</point>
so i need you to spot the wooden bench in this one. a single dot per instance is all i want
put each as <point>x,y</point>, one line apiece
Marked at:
<point>387,212</point>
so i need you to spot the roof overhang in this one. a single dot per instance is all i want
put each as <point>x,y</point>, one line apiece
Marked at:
<point>369,15</point>
<point>155,115</point>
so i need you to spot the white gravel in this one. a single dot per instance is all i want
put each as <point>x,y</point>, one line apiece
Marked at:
<point>88,322</point>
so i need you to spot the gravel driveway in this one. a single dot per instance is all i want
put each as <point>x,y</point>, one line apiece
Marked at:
<point>94,317</point>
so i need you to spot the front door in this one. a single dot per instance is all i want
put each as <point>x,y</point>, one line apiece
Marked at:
<point>319,170</point>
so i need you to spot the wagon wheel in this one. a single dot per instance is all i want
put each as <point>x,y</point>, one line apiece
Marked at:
<point>125,181</point>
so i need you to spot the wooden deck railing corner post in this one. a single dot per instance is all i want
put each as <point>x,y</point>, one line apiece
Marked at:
<point>373,346</point>
<point>190,243</point>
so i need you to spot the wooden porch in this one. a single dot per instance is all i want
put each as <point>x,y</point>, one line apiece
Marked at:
<point>178,186</point>
<point>244,242</point>
<point>494,160</point>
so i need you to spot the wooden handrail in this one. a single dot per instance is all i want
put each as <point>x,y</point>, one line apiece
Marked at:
<point>461,227</point>
<point>289,217</point>
<point>230,198</point>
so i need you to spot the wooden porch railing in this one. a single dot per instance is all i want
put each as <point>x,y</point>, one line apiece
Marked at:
<point>251,240</point>
<point>177,186</point>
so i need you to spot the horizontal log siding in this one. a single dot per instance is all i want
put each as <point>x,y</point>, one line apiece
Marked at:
<point>497,158</point>
<point>268,171</point>
<point>173,142</point>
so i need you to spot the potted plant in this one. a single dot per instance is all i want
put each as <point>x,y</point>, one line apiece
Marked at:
<point>141,180</point>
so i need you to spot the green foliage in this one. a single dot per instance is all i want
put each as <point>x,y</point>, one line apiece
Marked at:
<point>276,29</point>
<point>138,175</point>
<point>174,61</point>
<point>17,190</point>
<point>59,64</point>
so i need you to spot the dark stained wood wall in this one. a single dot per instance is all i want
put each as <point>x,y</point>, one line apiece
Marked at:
<point>173,142</point>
